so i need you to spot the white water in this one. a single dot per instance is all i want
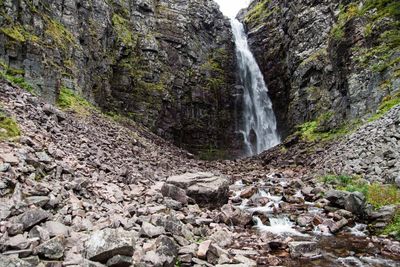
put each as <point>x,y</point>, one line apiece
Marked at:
<point>278,226</point>
<point>258,123</point>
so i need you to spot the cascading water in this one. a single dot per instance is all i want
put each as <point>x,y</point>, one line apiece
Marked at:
<point>258,123</point>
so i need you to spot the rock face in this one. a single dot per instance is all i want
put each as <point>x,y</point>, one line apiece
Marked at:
<point>168,64</point>
<point>320,60</point>
<point>205,188</point>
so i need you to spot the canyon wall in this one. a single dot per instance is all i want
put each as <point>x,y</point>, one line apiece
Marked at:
<point>168,64</point>
<point>329,62</point>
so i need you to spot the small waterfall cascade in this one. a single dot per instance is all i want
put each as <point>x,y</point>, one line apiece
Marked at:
<point>257,123</point>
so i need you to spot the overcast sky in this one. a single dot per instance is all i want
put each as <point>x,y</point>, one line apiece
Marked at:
<point>230,8</point>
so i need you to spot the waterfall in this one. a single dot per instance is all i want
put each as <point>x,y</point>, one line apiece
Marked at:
<point>257,123</point>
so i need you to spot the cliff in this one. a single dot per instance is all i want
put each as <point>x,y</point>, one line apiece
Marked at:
<point>165,64</point>
<point>328,64</point>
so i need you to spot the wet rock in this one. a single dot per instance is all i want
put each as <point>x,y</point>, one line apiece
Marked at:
<point>248,192</point>
<point>207,189</point>
<point>303,249</point>
<point>383,216</point>
<point>335,227</point>
<point>149,230</point>
<point>31,217</point>
<point>52,249</point>
<point>104,244</point>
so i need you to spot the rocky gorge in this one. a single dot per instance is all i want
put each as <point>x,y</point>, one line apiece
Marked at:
<point>91,174</point>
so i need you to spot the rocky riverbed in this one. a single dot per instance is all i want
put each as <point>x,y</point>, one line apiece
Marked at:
<point>80,189</point>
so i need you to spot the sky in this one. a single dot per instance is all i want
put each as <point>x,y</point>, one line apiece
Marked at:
<point>230,8</point>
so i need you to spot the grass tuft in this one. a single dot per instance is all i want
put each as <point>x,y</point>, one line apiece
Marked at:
<point>69,100</point>
<point>8,127</point>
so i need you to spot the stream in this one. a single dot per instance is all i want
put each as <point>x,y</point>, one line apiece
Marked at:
<point>277,221</point>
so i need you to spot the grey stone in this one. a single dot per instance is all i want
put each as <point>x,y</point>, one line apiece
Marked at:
<point>38,201</point>
<point>104,244</point>
<point>31,217</point>
<point>149,230</point>
<point>120,261</point>
<point>13,261</point>
<point>206,189</point>
<point>52,249</point>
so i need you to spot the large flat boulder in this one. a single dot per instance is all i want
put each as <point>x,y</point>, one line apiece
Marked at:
<point>206,189</point>
<point>105,244</point>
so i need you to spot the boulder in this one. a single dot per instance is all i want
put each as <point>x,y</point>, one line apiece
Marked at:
<point>104,244</point>
<point>31,218</point>
<point>355,203</point>
<point>207,189</point>
<point>52,249</point>
<point>174,192</point>
<point>350,201</point>
<point>149,230</point>
<point>231,215</point>
<point>164,254</point>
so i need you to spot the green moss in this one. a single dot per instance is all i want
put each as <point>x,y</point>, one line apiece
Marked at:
<point>260,12</point>
<point>122,28</point>
<point>19,33</point>
<point>310,131</point>
<point>346,14</point>
<point>8,128</point>
<point>319,54</point>
<point>61,37</point>
<point>387,104</point>
<point>69,100</point>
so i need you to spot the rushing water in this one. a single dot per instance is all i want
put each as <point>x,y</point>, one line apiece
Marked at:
<point>258,123</point>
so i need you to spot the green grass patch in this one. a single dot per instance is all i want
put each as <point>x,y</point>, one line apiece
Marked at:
<point>387,104</point>
<point>310,131</point>
<point>378,195</point>
<point>394,227</point>
<point>60,35</point>
<point>8,127</point>
<point>17,81</point>
<point>212,154</point>
<point>69,100</point>
<point>260,12</point>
